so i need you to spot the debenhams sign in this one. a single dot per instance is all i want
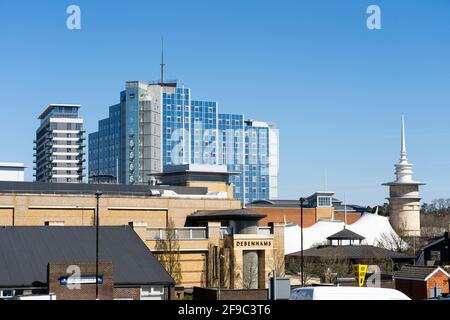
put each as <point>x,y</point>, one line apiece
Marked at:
<point>252,243</point>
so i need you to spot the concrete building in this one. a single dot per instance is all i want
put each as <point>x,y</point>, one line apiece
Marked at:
<point>404,198</point>
<point>208,226</point>
<point>12,171</point>
<point>59,145</point>
<point>158,124</point>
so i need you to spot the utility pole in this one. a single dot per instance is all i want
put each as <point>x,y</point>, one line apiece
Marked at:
<point>302,263</point>
<point>97,196</point>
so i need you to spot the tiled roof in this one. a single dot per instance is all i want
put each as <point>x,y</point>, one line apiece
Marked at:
<point>346,235</point>
<point>25,253</point>
<point>415,272</point>
<point>352,252</point>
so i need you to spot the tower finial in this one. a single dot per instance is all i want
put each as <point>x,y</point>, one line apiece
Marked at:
<point>403,170</point>
<point>403,155</point>
<point>162,61</point>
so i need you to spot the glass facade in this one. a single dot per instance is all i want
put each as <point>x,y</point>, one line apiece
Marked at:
<point>183,130</point>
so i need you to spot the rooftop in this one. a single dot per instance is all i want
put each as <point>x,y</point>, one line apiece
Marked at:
<point>24,264</point>
<point>12,165</point>
<point>89,189</point>
<point>51,106</point>
<point>220,215</point>
<point>345,235</point>
<point>415,272</point>
<point>337,204</point>
<point>353,252</point>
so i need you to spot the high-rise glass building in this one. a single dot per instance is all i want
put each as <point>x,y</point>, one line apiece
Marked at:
<point>59,145</point>
<point>156,125</point>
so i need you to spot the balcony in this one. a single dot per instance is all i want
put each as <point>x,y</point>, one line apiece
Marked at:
<point>227,231</point>
<point>194,233</point>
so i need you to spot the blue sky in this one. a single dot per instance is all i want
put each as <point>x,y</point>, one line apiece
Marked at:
<point>334,88</point>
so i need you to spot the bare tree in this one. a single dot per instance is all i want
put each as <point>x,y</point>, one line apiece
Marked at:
<point>327,269</point>
<point>278,263</point>
<point>169,255</point>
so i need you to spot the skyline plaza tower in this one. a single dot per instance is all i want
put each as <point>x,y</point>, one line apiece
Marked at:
<point>59,145</point>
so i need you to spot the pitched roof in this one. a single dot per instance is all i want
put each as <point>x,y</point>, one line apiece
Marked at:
<point>422,273</point>
<point>26,251</point>
<point>345,234</point>
<point>352,252</point>
<point>238,214</point>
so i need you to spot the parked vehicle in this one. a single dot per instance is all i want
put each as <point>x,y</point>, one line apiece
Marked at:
<point>346,293</point>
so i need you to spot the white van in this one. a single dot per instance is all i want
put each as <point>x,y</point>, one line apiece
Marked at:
<point>346,293</point>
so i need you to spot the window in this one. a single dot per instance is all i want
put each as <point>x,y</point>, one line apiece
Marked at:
<point>323,202</point>
<point>435,292</point>
<point>6,294</point>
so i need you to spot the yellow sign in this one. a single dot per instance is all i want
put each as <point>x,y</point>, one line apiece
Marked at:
<point>360,271</point>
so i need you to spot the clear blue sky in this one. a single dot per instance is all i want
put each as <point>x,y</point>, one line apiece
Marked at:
<point>334,88</point>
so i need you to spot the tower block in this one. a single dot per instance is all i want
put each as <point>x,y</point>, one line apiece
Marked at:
<point>404,198</point>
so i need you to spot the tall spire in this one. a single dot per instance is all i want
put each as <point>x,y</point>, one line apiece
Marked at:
<point>162,61</point>
<point>403,155</point>
<point>403,170</point>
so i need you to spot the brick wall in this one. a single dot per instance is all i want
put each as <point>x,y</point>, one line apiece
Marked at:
<point>127,293</point>
<point>290,214</point>
<point>439,279</point>
<point>85,291</point>
<point>420,290</point>
<point>213,294</point>
<point>310,215</point>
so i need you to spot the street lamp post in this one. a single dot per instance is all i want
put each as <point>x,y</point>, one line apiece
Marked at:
<point>220,261</point>
<point>302,264</point>
<point>97,196</point>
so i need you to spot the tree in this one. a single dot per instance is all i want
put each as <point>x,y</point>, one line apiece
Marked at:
<point>169,249</point>
<point>277,263</point>
<point>327,269</point>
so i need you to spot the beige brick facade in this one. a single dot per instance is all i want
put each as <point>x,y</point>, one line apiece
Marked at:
<point>143,212</point>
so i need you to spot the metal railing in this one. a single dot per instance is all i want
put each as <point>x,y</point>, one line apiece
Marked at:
<point>265,230</point>
<point>192,233</point>
<point>225,231</point>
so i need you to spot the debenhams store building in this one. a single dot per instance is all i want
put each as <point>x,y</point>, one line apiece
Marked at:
<point>216,237</point>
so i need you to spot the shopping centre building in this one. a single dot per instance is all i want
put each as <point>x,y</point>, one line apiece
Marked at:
<point>217,238</point>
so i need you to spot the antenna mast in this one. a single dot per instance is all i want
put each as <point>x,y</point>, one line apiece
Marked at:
<point>162,61</point>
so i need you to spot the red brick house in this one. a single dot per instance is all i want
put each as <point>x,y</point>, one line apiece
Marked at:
<point>422,282</point>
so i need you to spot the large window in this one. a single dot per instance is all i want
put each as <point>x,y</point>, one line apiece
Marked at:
<point>323,201</point>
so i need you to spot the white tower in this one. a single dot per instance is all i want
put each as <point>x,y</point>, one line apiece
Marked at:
<point>404,199</point>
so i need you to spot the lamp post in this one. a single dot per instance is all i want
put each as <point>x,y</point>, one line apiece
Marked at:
<point>302,264</point>
<point>97,196</point>
<point>220,261</point>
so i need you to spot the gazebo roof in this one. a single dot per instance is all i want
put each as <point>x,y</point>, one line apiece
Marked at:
<point>346,235</point>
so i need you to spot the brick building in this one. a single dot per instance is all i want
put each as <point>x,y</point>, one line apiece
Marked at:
<point>61,262</point>
<point>320,205</point>
<point>149,209</point>
<point>422,282</point>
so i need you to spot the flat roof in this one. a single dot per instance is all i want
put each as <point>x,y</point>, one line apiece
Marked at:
<point>51,106</point>
<point>12,165</point>
<point>226,215</point>
<point>90,189</point>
